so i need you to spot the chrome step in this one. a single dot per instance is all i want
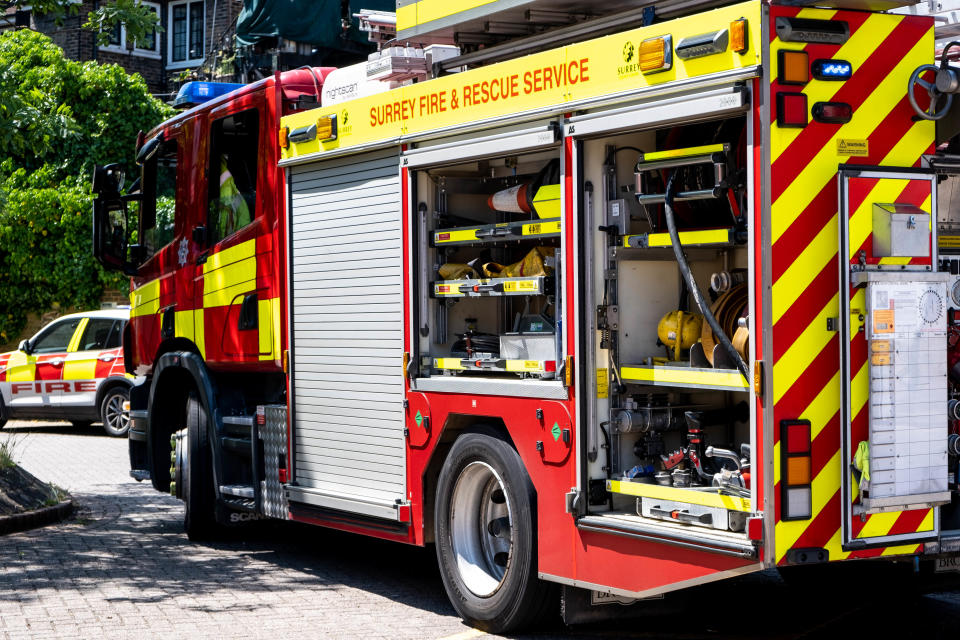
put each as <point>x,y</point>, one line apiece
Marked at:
<point>238,490</point>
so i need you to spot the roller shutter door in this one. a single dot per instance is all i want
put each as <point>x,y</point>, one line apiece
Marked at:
<point>347,332</point>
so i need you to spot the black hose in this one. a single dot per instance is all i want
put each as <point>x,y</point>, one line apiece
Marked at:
<point>722,338</point>
<point>606,438</point>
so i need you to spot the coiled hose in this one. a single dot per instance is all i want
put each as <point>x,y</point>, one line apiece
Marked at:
<point>722,338</point>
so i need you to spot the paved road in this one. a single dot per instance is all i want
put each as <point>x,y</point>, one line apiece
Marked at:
<point>122,568</point>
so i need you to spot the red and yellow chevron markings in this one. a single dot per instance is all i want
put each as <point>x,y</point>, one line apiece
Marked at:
<point>884,50</point>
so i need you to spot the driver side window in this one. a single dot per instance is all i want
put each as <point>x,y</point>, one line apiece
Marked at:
<point>159,199</point>
<point>55,337</point>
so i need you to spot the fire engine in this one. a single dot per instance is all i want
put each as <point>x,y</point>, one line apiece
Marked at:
<point>625,300</point>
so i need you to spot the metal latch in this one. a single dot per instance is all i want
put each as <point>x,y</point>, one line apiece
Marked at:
<point>573,502</point>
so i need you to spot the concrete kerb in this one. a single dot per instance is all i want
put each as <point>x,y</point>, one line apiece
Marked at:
<point>36,518</point>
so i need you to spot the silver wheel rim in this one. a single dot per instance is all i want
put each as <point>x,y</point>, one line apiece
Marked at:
<point>481,529</point>
<point>114,416</point>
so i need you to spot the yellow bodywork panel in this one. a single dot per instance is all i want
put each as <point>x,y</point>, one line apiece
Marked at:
<point>709,498</point>
<point>550,81</point>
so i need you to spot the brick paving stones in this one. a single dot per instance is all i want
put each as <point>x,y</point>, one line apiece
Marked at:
<point>122,567</point>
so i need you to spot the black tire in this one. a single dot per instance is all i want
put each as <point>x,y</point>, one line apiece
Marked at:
<point>81,424</point>
<point>197,475</point>
<point>115,422</point>
<point>497,590</point>
<point>3,414</point>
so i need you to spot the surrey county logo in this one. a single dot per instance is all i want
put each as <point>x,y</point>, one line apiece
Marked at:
<point>344,127</point>
<point>629,66</point>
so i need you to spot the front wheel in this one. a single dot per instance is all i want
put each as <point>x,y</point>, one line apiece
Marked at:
<point>194,474</point>
<point>486,535</point>
<point>115,420</point>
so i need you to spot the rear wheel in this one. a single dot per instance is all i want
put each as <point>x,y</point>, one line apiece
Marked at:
<point>115,421</point>
<point>486,535</point>
<point>3,414</point>
<point>194,474</point>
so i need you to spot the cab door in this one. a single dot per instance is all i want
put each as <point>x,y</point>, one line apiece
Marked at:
<point>34,379</point>
<point>235,289</point>
<point>90,357</point>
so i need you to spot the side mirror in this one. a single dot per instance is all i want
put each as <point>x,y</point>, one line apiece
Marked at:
<point>107,181</point>
<point>110,232</point>
<point>24,346</point>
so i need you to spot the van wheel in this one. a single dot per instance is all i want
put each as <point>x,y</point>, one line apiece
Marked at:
<point>115,421</point>
<point>193,471</point>
<point>3,418</point>
<point>486,536</point>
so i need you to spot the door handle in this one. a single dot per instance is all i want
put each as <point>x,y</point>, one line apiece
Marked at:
<point>56,363</point>
<point>106,358</point>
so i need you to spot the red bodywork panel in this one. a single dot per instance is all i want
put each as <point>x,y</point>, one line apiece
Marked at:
<point>187,278</point>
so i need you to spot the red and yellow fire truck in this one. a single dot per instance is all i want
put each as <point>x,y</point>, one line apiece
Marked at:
<point>656,295</point>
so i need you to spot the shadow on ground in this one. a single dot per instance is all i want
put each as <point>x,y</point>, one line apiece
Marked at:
<point>130,539</point>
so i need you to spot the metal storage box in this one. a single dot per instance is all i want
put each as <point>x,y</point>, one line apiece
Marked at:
<point>528,346</point>
<point>900,231</point>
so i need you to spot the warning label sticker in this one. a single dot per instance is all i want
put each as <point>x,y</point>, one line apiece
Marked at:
<point>852,147</point>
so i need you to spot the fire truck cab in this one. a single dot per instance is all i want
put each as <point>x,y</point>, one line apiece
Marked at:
<point>655,295</point>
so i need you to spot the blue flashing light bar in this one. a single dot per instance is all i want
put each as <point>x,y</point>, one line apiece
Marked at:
<point>193,93</point>
<point>832,69</point>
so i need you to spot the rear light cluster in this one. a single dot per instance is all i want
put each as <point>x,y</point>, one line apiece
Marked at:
<point>796,470</point>
<point>794,69</point>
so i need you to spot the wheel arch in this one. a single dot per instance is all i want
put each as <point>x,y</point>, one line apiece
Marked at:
<point>457,424</point>
<point>112,383</point>
<point>176,374</point>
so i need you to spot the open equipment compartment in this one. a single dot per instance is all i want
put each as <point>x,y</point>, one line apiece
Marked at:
<point>487,253</point>
<point>673,408</point>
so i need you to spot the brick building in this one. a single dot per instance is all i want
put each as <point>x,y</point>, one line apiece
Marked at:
<point>194,32</point>
<point>197,40</point>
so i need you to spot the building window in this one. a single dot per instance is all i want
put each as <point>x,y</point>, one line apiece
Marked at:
<point>149,47</point>
<point>186,33</point>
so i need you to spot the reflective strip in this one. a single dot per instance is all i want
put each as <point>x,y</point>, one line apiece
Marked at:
<point>77,334</point>
<point>21,367</point>
<point>145,300</point>
<point>183,325</point>
<point>456,235</point>
<point>229,255</point>
<point>541,228</point>
<point>704,236</point>
<point>447,363</point>
<point>669,154</point>
<point>223,286</point>
<point>268,321</point>
<point>198,332</point>
<point>530,366</point>
<point>80,367</point>
<point>425,11</point>
<point>679,375</point>
<point>703,498</point>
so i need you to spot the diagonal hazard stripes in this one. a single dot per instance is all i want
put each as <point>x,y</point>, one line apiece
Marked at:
<point>812,161</point>
<point>884,50</point>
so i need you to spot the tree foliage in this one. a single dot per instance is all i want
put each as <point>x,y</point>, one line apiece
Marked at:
<point>138,19</point>
<point>58,118</point>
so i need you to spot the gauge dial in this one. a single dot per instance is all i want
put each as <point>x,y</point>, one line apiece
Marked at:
<point>931,306</point>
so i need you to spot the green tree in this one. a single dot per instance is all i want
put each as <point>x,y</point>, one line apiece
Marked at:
<point>137,18</point>
<point>58,118</point>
